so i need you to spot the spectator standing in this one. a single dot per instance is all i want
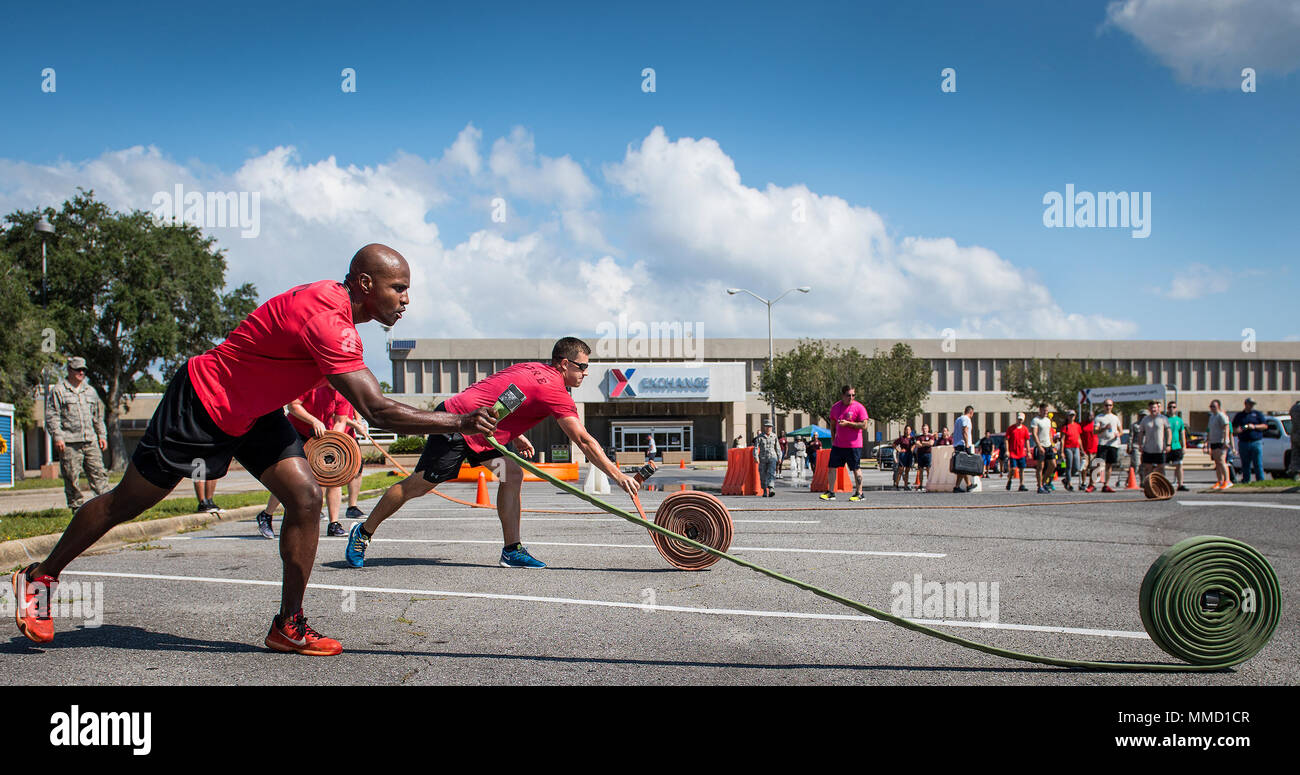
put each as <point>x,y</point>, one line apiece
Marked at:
<point>1109,433</point>
<point>944,439</point>
<point>1151,437</point>
<point>1017,439</point>
<point>650,450</point>
<point>1219,437</point>
<point>1088,437</point>
<point>785,452</point>
<point>986,452</point>
<point>964,441</point>
<point>74,419</point>
<point>800,458</point>
<point>1072,447</point>
<point>922,454</point>
<point>848,420</point>
<point>767,451</point>
<point>814,447</point>
<point>1040,429</point>
<point>1250,425</point>
<point>903,458</point>
<point>1177,443</point>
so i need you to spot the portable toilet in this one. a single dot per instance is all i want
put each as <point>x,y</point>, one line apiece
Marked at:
<point>6,446</point>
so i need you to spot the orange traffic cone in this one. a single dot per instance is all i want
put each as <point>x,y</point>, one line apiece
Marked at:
<point>682,463</point>
<point>1132,480</point>
<point>683,487</point>
<point>481,498</point>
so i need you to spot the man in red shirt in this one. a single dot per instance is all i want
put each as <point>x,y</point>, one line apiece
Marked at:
<point>546,389</point>
<point>848,419</point>
<point>1017,451</point>
<point>1072,444</point>
<point>228,404</point>
<point>1088,437</point>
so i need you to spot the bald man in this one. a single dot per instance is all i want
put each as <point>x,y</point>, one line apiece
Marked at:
<point>226,404</point>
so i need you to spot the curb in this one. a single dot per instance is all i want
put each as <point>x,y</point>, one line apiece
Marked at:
<point>22,551</point>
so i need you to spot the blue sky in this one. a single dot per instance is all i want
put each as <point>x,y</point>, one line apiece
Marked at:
<point>838,104</point>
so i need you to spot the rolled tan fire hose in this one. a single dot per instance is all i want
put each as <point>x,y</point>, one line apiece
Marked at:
<point>334,457</point>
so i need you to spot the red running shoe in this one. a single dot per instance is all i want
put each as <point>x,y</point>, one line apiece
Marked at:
<point>1107,488</point>
<point>293,634</point>
<point>32,609</point>
<point>1091,488</point>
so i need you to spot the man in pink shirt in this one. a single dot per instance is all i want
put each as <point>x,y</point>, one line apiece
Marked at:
<point>546,390</point>
<point>848,419</point>
<point>228,403</point>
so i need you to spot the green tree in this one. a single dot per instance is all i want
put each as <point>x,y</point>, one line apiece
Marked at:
<point>895,385</point>
<point>126,292</point>
<point>1057,382</point>
<point>27,340</point>
<point>808,378</point>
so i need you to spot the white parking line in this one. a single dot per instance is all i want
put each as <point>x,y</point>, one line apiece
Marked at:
<point>1251,504</point>
<point>639,606</point>
<point>737,549</point>
<point>496,521</point>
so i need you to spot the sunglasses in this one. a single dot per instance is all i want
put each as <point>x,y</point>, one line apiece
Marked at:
<point>579,366</point>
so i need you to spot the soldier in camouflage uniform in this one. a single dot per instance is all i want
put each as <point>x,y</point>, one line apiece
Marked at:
<point>74,418</point>
<point>767,451</point>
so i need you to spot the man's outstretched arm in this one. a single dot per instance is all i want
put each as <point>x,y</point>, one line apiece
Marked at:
<point>362,390</point>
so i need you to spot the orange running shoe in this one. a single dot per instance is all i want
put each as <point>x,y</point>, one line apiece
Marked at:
<point>32,609</point>
<point>293,634</point>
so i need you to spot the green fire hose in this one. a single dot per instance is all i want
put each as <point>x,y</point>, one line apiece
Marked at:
<point>1210,601</point>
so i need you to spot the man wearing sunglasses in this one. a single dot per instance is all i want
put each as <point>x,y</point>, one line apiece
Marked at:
<point>546,388</point>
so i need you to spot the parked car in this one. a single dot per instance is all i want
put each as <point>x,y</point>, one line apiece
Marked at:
<point>885,457</point>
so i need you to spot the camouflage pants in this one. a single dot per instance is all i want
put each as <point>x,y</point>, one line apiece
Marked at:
<point>77,456</point>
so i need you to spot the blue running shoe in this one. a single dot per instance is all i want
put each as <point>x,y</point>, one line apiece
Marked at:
<point>520,558</point>
<point>355,551</point>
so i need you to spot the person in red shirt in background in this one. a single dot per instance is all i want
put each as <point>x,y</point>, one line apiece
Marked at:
<point>311,414</point>
<point>1088,437</point>
<point>228,404</point>
<point>1072,445</point>
<point>346,417</point>
<point>545,387</point>
<point>1017,451</point>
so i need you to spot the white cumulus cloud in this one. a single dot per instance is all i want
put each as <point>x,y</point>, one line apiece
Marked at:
<point>1209,42</point>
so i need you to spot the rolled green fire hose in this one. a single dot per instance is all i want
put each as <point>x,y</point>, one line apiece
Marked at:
<point>1211,601</point>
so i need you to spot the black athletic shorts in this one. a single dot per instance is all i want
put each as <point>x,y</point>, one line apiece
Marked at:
<point>1153,458</point>
<point>845,456</point>
<point>1044,453</point>
<point>1174,456</point>
<point>1108,455</point>
<point>443,453</point>
<point>923,458</point>
<point>183,442</point>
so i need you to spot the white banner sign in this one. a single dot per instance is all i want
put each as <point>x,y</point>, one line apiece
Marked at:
<point>1122,393</point>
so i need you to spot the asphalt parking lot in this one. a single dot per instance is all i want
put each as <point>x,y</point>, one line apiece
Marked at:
<point>433,607</point>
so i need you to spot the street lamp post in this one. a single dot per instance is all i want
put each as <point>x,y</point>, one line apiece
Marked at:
<point>45,230</point>
<point>802,289</point>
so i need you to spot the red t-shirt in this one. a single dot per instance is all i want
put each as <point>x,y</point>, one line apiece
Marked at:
<point>1017,441</point>
<point>1089,436</point>
<point>276,354</point>
<point>1073,435</point>
<point>323,403</point>
<point>544,396</point>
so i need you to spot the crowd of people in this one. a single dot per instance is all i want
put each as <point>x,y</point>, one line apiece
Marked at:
<point>1079,452</point>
